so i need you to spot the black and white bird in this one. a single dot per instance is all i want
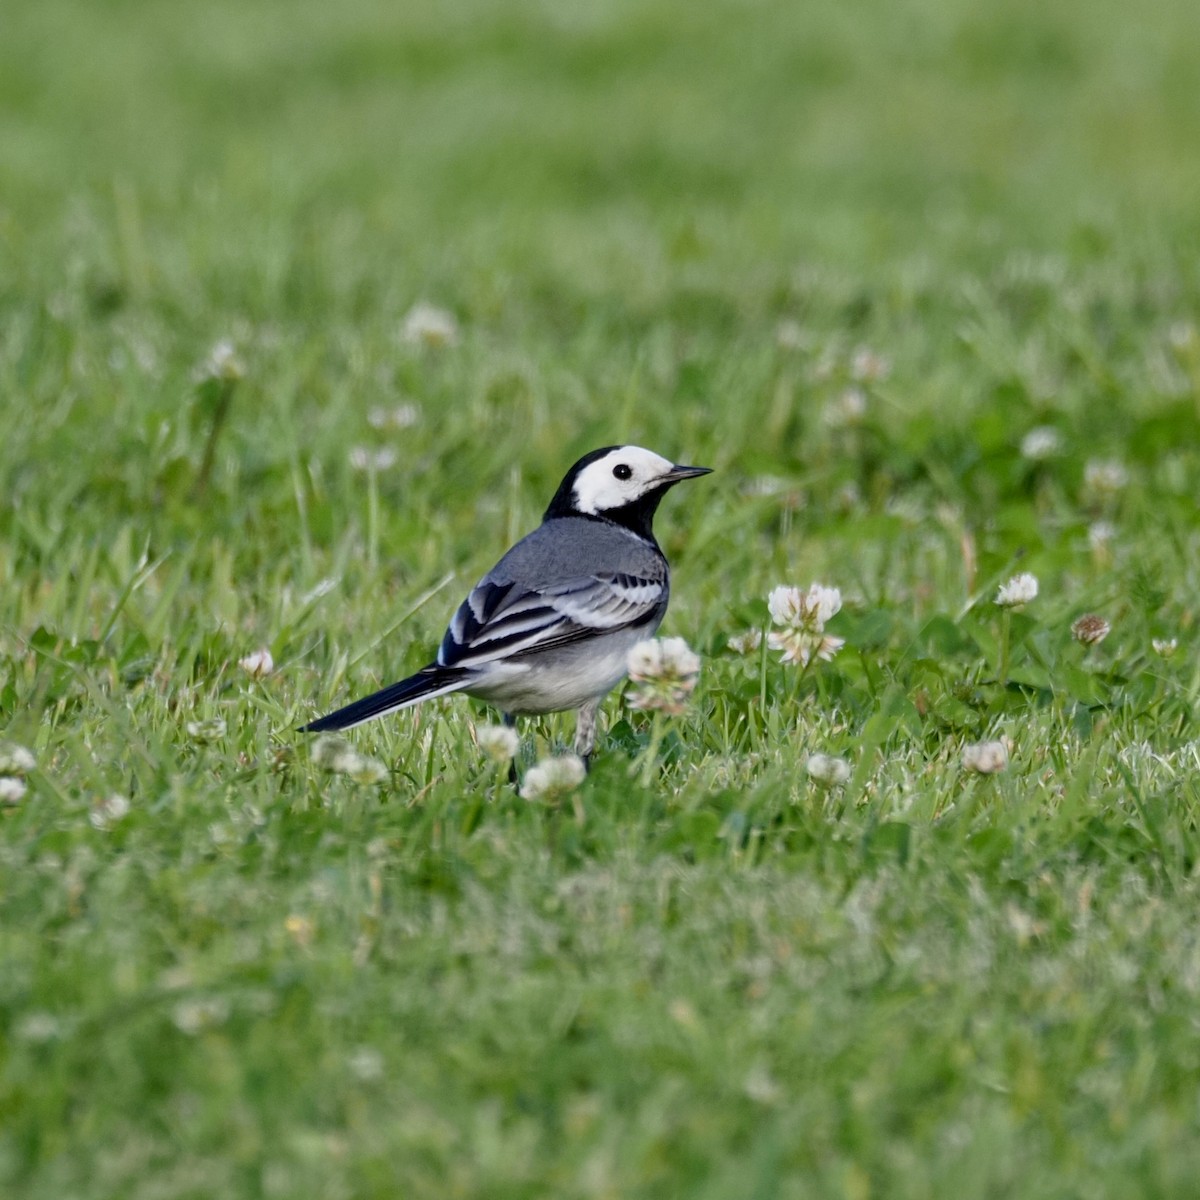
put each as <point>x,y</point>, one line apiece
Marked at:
<point>550,626</point>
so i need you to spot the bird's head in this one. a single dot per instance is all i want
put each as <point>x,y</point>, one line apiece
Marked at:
<point>619,483</point>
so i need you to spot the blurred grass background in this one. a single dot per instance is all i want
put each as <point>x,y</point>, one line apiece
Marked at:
<point>596,148</point>
<point>674,223</point>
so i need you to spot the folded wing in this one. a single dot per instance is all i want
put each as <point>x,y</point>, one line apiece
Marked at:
<point>501,620</point>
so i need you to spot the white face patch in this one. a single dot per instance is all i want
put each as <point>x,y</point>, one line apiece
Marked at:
<point>619,478</point>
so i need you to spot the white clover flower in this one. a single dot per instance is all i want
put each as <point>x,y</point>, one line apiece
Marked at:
<point>1090,629</point>
<point>335,755</point>
<point>403,416</point>
<point>428,325</point>
<point>1182,335</point>
<point>37,1027</point>
<point>1103,479</point>
<point>827,770</point>
<point>664,672</point>
<point>745,643</point>
<point>109,811</point>
<point>363,458</point>
<point>257,663</point>
<point>1164,647</point>
<point>1101,535</point>
<point>15,759</point>
<point>210,730</point>
<point>663,658</point>
<point>223,363</point>
<point>363,769</point>
<point>806,610</point>
<point>195,1016</point>
<point>1018,591</point>
<point>12,789</point>
<point>500,743</point>
<point>365,1063</point>
<point>985,758</point>
<point>850,408</point>
<point>1040,443</point>
<point>803,614</point>
<point>868,367</point>
<point>790,335</point>
<point>553,778</point>
<point>762,1087</point>
<point>329,750</point>
<point>802,648</point>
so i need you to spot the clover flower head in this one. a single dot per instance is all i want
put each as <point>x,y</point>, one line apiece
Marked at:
<point>1103,479</point>
<point>212,729</point>
<point>745,643</point>
<point>553,778</point>
<point>257,663</point>
<point>364,770</point>
<point>1164,647</point>
<point>802,648</point>
<point>1182,335</point>
<point>1090,629</point>
<point>109,811</point>
<point>500,743</point>
<point>37,1027</point>
<point>16,759</point>
<point>664,672</point>
<point>985,758</point>
<point>329,750</point>
<point>223,363</point>
<point>403,416</point>
<point>335,755</point>
<point>195,1016</point>
<point>365,1063</point>
<point>809,610</point>
<point>802,616</point>
<point>12,789</point>
<point>428,325</point>
<point>850,408</point>
<point>364,458</point>
<point>1018,591</point>
<point>827,770</point>
<point>1101,535</point>
<point>1040,443</point>
<point>868,367</point>
<point>790,335</point>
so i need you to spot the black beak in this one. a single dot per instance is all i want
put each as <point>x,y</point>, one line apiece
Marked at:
<point>679,473</point>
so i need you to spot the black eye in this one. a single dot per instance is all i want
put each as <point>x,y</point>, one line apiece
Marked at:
<point>623,471</point>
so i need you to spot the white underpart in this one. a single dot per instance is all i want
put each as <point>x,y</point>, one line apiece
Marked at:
<point>597,490</point>
<point>571,678</point>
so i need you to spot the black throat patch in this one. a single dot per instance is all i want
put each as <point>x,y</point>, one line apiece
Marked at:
<point>637,515</point>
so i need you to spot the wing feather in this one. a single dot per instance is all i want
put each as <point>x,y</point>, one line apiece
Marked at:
<point>501,621</point>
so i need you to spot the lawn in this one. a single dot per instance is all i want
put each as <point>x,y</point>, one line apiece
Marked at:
<point>921,282</point>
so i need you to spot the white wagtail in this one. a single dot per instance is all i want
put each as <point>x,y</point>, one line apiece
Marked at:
<point>550,626</point>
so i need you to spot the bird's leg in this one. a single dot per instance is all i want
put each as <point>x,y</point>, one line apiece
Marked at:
<point>510,722</point>
<point>585,732</point>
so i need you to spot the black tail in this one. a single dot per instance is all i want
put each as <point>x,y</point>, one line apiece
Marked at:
<point>428,682</point>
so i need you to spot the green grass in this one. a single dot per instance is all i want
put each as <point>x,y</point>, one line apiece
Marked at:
<point>680,225</point>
